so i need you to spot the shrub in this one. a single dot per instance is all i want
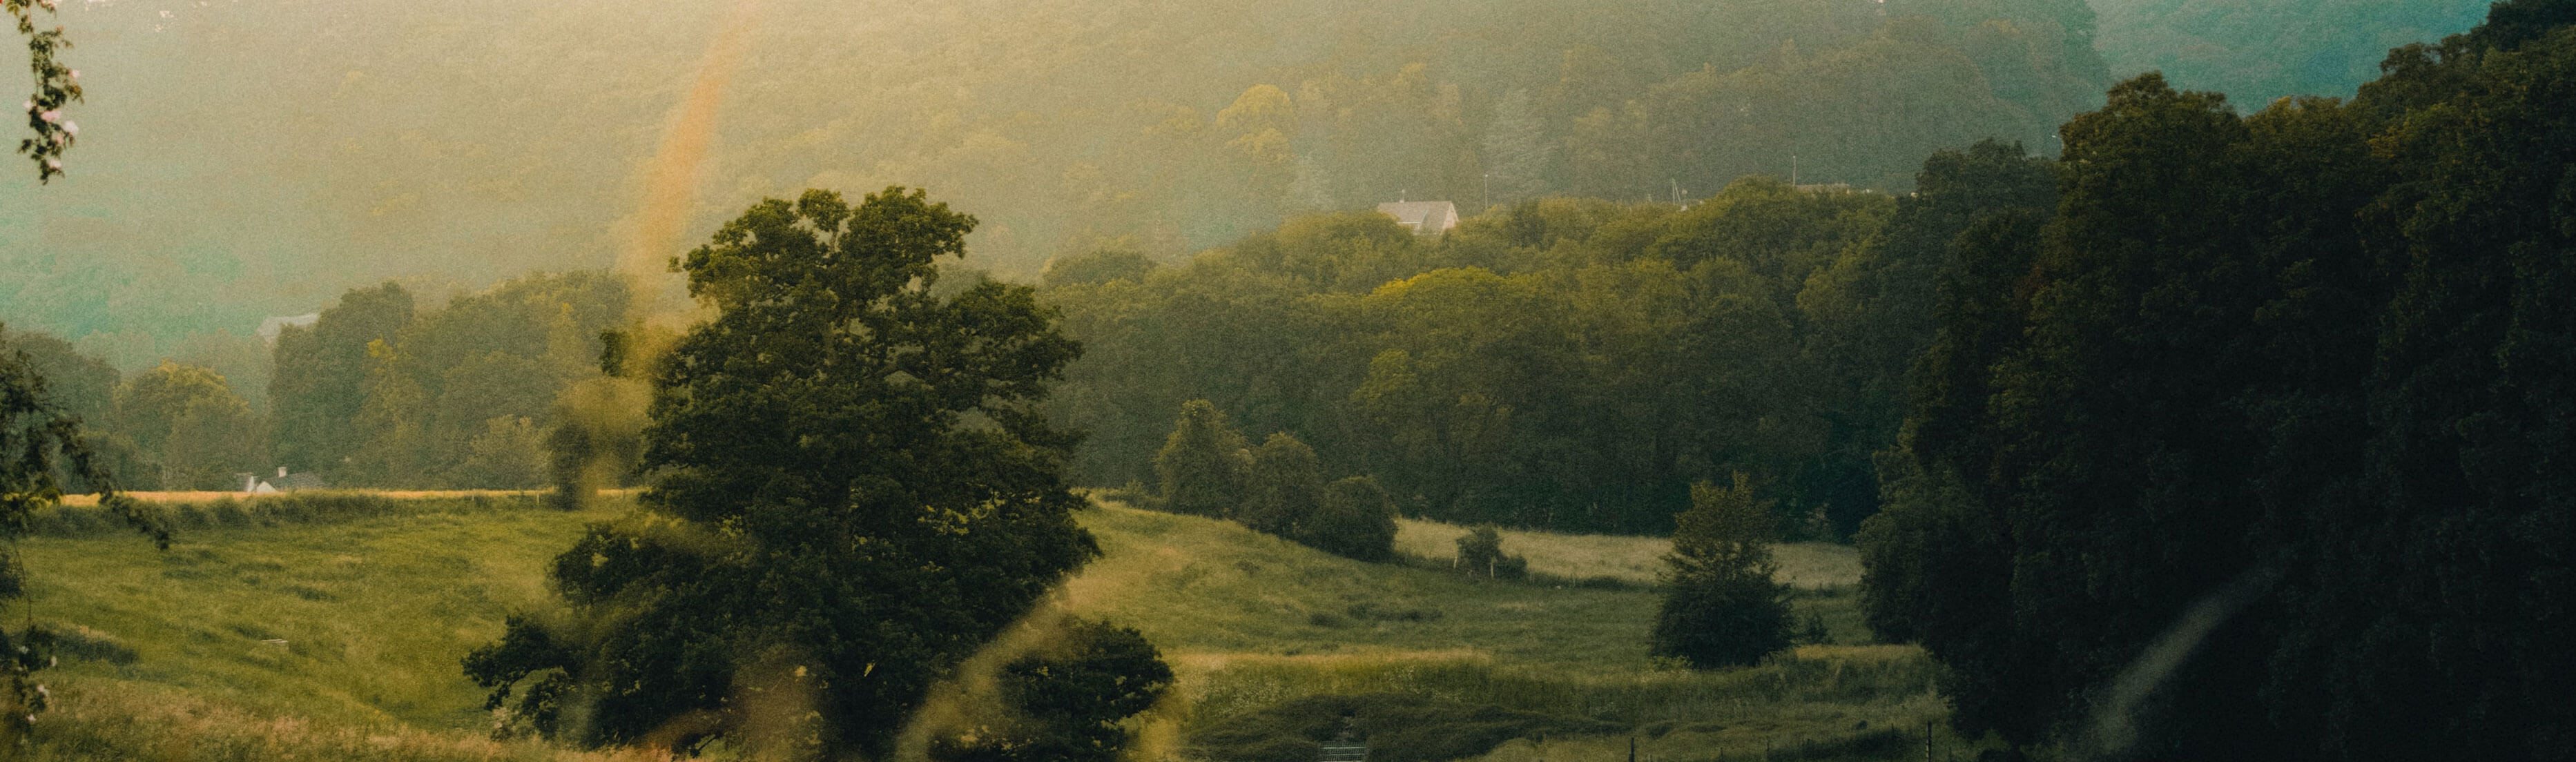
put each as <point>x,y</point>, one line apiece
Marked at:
<point>1480,554</point>
<point>1202,463</point>
<point>1283,486</point>
<point>1722,605</point>
<point>1356,520</point>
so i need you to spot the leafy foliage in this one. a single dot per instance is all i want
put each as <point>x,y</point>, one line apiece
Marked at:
<point>1722,605</point>
<point>1203,463</point>
<point>1283,487</point>
<point>320,382</point>
<point>1480,553</point>
<point>36,436</point>
<point>57,85</point>
<point>828,515</point>
<point>1561,363</point>
<point>1355,520</point>
<point>2269,396</point>
<point>186,424</point>
<point>1066,701</point>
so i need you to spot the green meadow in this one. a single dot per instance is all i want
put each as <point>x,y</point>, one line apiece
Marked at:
<point>331,628</point>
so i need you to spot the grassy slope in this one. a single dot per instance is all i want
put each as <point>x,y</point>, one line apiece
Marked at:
<point>376,611</point>
<point>1806,565</point>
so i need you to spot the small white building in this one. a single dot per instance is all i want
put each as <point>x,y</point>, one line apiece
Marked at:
<point>1422,217</point>
<point>284,482</point>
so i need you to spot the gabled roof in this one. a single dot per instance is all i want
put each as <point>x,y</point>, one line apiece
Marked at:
<point>1424,217</point>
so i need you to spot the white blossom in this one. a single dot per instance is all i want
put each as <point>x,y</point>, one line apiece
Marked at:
<point>51,115</point>
<point>71,126</point>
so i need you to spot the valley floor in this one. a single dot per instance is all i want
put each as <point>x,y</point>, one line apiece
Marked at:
<point>270,627</point>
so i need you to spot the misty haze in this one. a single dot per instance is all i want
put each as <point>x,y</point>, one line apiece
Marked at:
<point>1294,381</point>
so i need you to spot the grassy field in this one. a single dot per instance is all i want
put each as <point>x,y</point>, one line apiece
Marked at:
<point>1635,560</point>
<point>332,630</point>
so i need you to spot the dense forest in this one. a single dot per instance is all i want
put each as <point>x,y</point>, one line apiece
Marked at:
<point>2257,446</point>
<point>1563,363</point>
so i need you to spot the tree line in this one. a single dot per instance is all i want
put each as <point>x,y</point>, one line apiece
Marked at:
<point>1563,363</point>
<point>2254,443</point>
<point>377,392</point>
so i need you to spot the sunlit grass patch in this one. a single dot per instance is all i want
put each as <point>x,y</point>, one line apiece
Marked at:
<point>354,621</point>
<point>1629,559</point>
<point>107,719</point>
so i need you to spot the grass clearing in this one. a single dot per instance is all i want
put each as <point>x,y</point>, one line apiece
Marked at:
<point>358,622</point>
<point>330,628</point>
<point>1628,559</point>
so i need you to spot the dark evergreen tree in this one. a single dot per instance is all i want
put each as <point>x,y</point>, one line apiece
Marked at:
<point>1722,605</point>
<point>826,508</point>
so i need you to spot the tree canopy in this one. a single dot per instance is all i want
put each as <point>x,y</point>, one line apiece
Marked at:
<point>854,489</point>
<point>2280,396</point>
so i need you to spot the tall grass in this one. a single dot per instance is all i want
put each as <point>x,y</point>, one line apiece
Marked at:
<point>230,510</point>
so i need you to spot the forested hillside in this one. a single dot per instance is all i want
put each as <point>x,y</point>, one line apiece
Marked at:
<point>455,144</point>
<point>1561,363</point>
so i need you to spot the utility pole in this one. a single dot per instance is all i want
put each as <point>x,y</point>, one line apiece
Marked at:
<point>1927,741</point>
<point>1485,194</point>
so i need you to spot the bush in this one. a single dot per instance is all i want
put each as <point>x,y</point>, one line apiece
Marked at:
<point>1283,487</point>
<point>1356,520</point>
<point>1722,605</point>
<point>1480,554</point>
<point>1202,463</point>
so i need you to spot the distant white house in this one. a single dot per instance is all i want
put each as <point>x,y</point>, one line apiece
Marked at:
<point>1422,217</point>
<point>283,483</point>
<point>270,328</point>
